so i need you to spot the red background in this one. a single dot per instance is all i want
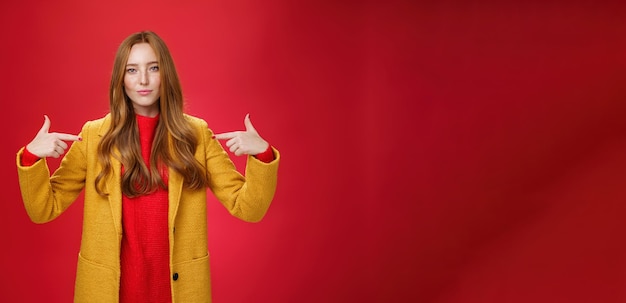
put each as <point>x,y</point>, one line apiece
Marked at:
<point>436,151</point>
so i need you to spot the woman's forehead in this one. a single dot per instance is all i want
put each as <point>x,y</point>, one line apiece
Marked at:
<point>141,53</point>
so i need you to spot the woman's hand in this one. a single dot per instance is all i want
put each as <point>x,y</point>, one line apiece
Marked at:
<point>47,144</point>
<point>246,142</point>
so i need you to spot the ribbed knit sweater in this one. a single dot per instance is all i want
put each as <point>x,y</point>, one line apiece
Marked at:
<point>144,255</point>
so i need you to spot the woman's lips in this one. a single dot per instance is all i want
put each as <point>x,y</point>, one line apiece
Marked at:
<point>144,92</point>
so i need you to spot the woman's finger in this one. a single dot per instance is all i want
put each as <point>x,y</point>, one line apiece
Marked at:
<point>233,148</point>
<point>62,144</point>
<point>67,137</point>
<point>59,150</point>
<point>232,141</point>
<point>224,136</point>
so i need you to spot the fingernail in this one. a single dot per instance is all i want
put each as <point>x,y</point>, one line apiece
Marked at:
<point>80,139</point>
<point>212,137</point>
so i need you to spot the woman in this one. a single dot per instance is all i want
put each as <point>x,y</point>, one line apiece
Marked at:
<point>145,168</point>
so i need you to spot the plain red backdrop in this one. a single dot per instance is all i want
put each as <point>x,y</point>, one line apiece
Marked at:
<point>435,151</point>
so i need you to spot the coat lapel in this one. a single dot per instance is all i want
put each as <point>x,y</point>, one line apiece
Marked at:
<point>113,184</point>
<point>115,195</point>
<point>174,187</point>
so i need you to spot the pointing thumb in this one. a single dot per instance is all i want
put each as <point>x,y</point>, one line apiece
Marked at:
<point>248,123</point>
<point>46,125</point>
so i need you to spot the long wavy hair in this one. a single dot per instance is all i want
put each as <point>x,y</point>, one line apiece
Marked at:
<point>174,142</point>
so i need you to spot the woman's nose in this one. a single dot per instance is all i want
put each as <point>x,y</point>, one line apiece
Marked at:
<point>144,78</point>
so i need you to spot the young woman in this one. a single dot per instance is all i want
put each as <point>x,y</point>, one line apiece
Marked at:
<point>145,168</point>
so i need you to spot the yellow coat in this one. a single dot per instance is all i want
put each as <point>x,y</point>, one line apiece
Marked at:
<point>98,271</point>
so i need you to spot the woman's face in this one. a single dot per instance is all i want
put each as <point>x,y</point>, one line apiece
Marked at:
<point>142,81</point>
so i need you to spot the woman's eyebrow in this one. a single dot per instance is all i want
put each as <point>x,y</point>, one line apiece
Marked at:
<point>137,64</point>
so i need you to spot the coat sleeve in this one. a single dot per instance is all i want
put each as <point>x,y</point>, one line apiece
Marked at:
<point>46,197</point>
<point>248,196</point>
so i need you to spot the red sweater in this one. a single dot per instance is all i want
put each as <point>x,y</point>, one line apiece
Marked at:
<point>144,255</point>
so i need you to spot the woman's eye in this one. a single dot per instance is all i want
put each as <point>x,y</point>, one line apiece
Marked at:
<point>154,68</point>
<point>131,70</point>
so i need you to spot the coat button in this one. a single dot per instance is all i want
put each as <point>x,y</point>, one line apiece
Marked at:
<point>175,276</point>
